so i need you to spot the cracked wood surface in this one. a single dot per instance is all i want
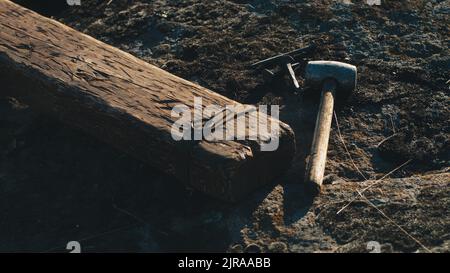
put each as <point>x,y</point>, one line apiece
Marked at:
<point>127,102</point>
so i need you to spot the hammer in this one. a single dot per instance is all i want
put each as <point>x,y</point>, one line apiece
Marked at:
<point>334,78</point>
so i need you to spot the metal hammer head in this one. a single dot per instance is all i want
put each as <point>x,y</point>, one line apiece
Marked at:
<point>344,74</point>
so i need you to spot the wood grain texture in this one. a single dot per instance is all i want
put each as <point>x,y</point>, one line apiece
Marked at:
<point>318,156</point>
<point>127,103</point>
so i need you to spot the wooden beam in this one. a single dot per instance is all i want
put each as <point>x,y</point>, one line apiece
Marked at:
<point>127,103</point>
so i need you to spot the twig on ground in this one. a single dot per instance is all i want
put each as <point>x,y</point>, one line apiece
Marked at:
<point>393,222</point>
<point>392,123</point>
<point>90,237</point>
<point>129,214</point>
<point>373,184</point>
<point>386,139</point>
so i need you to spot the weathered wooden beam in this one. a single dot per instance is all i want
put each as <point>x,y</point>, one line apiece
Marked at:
<point>127,102</point>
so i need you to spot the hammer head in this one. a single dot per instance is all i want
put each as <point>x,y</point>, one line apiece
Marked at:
<point>344,75</point>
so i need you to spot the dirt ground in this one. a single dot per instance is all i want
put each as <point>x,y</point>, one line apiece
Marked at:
<point>58,184</point>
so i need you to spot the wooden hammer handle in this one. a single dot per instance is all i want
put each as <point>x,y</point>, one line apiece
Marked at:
<point>318,154</point>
